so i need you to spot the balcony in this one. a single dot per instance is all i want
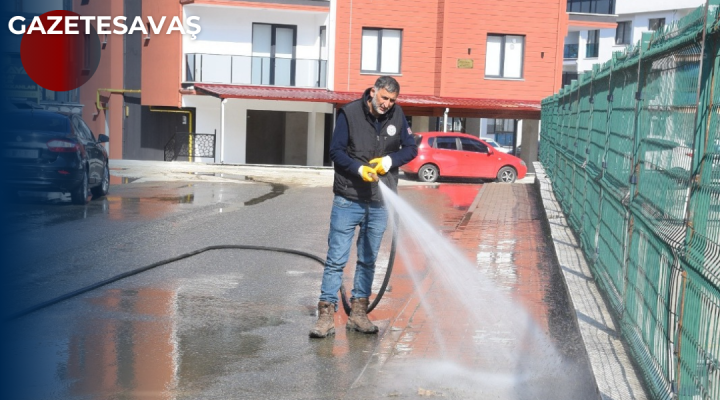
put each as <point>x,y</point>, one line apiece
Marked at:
<point>570,51</point>
<point>592,50</point>
<point>255,70</point>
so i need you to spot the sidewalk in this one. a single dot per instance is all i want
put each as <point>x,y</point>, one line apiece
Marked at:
<point>431,349</point>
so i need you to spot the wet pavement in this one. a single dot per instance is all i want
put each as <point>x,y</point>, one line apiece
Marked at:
<point>234,323</point>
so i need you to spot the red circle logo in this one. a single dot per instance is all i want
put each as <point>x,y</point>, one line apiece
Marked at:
<point>60,62</point>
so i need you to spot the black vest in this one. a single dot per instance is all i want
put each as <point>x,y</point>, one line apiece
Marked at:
<point>364,144</point>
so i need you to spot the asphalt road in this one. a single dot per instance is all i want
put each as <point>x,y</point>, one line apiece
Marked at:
<point>225,324</point>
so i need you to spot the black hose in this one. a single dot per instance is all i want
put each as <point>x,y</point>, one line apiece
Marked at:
<point>386,281</point>
<point>136,271</point>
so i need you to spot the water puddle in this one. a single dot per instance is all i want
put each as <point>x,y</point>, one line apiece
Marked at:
<point>121,180</point>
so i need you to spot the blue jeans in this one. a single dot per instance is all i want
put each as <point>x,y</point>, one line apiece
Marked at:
<point>346,215</point>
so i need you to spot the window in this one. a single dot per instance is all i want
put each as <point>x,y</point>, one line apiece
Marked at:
<point>656,23</point>
<point>447,143</point>
<point>273,54</point>
<point>472,145</point>
<point>591,6</point>
<point>38,122</point>
<point>322,59</point>
<point>81,129</point>
<point>623,33</point>
<point>567,77</point>
<point>593,44</point>
<point>504,56</point>
<point>381,50</point>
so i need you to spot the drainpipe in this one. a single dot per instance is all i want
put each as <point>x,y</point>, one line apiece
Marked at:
<point>222,131</point>
<point>445,118</point>
<point>190,129</point>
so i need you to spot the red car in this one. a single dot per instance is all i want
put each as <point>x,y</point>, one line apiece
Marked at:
<point>459,155</point>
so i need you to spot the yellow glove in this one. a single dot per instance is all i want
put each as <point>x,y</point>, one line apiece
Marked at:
<point>383,164</point>
<point>368,174</point>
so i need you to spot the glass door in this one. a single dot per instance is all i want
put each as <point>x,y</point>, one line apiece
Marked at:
<point>274,54</point>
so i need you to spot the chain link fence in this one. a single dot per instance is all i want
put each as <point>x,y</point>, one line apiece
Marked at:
<point>633,152</point>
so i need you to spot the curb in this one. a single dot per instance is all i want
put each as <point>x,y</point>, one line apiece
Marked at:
<point>615,374</point>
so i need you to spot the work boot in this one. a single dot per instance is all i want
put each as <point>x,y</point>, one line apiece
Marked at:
<point>325,324</point>
<point>358,319</point>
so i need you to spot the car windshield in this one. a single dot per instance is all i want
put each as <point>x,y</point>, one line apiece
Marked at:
<point>37,122</point>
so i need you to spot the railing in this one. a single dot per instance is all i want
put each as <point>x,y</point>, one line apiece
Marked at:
<point>255,70</point>
<point>633,152</point>
<point>592,50</point>
<point>570,51</point>
<point>184,144</point>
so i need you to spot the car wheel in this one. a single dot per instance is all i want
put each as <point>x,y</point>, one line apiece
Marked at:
<point>79,195</point>
<point>104,186</point>
<point>428,173</point>
<point>506,175</point>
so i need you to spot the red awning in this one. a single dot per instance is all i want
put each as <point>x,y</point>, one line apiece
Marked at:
<point>412,104</point>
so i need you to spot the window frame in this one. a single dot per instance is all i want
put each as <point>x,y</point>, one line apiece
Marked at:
<point>650,24</point>
<point>593,39</point>
<point>378,59</point>
<point>502,56</point>
<point>454,138</point>
<point>273,45</point>
<point>576,6</point>
<point>626,30</point>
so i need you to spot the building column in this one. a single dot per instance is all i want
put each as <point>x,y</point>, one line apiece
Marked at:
<point>472,126</point>
<point>529,143</point>
<point>316,139</point>
<point>421,124</point>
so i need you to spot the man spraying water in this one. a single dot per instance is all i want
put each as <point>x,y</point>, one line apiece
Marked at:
<point>371,140</point>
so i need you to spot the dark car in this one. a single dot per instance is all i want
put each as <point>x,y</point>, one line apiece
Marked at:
<point>54,152</point>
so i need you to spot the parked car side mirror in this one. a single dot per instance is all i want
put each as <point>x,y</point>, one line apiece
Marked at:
<point>102,138</point>
<point>490,151</point>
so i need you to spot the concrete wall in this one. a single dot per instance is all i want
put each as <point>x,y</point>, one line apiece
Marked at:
<point>472,126</point>
<point>315,139</point>
<point>530,129</point>
<point>635,6</point>
<point>236,113</point>
<point>421,124</point>
<point>607,41</point>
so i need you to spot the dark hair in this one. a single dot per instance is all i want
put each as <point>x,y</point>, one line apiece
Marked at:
<point>388,83</point>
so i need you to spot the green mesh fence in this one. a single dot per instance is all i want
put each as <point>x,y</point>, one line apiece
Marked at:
<point>633,152</point>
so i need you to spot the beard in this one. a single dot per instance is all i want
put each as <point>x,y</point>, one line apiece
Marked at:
<point>376,106</point>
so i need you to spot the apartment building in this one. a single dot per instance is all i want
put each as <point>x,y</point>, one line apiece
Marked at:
<point>264,78</point>
<point>598,28</point>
